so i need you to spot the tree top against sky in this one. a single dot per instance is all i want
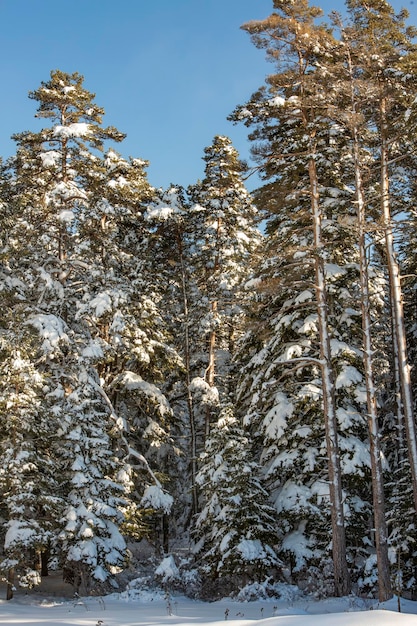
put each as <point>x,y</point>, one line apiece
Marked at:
<point>167,74</point>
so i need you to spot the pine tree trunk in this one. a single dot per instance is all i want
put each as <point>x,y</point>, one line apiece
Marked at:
<point>397,306</point>
<point>45,554</point>
<point>381,534</point>
<point>10,584</point>
<point>187,361</point>
<point>401,436</point>
<point>341,574</point>
<point>210,371</point>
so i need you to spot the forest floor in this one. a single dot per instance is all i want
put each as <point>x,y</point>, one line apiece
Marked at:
<point>53,604</point>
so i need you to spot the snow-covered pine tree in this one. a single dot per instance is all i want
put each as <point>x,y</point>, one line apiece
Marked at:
<point>234,531</point>
<point>52,186</point>
<point>394,82</point>
<point>280,394</point>
<point>202,242</point>
<point>381,532</point>
<point>389,71</point>
<point>222,237</point>
<point>384,77</point>
<point>167,217</point>
<point>345,94</point>
<point>29,490</point>
<point>298,149</point>
<point>123,310</point>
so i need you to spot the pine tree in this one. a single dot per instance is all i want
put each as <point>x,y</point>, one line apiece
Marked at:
<point>52,197</point>
<point>30,493</point>
<point>388,70</point>
<point>235,530</point>
<point>382,81</point>
<point>396,71</point>
<point>340,78</point>
<point>381,533</point>
<point>295,137</point>
<point>167,216</point>
<point>123,310</point>
<point>223,235</point>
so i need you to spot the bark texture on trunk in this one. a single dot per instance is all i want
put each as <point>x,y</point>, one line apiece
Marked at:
<point>187,363</point>
<point>10,584</point>
<point>341,573</point>
<point>381,534</point>
<point>378,496</point>
<point>211,367</point>
<point>397,305</point>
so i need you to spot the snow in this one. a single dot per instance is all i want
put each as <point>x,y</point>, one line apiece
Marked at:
<point>66,216</point>
<point>101,304</point>
<point>51,329</point>
<point>155,498</point>
<point>278,101</point>
<point>50,158</point>
<point>253,283</point>
<point>144,606</point>
<point>18,532</point>
<point>358,456</point>
<point>93,350</point>
<point>65,191</point>
<point>251,549</point>
<point>167,569</point>
<point>275,421</point>
<point>202,390</point>
<point>134,382</point>
<point>80,129</point>
<point>290,352</point>
<point>341,347</point>
<point>333,270</point>
<point>298,544</point>
<point>159,213</point>
<point>348,377</point>
<point>310,325</point>
<point>244,113</point>
<point>304,296</point>
<point>310,390</point>
<point>347,417</point>
<point>293,497</point>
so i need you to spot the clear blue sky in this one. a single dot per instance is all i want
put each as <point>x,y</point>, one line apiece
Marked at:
<point>167,72</point>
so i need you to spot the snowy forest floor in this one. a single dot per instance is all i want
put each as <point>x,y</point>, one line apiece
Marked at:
<point>50,605</point>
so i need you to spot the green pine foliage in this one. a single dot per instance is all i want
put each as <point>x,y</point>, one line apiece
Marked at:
<point>222,238</point>
<point>235,529</point>
<point>280,391</point>
<point>162,362</point>
<point>391,68</point>
<point>31,496</point>
<point>71,250</point>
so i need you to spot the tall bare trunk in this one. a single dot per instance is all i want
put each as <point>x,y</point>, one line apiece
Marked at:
<point>401,436</point>
<point>187,362</point>
<point>378,497</point>
<point>211,371</point>
<point>381,535</point>
<point>10,584</point>
<point>341,573</point>
<point>397,304</point>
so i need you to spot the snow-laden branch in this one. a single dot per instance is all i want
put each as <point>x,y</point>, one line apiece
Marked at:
<point>121,425</point>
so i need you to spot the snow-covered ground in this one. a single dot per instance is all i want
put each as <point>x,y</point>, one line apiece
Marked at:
<point>136,607</point>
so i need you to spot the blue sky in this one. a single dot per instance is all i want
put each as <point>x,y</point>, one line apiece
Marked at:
<point>167,72</point>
